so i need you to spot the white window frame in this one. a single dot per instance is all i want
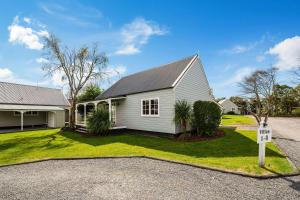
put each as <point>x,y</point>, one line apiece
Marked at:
<point>158,107</point>
<point>114,113</point>
<point>17,114</point>
<point>26,113</point>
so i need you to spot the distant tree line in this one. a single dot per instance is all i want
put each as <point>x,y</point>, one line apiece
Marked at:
<point>286,102</point>
<point>262,96</point>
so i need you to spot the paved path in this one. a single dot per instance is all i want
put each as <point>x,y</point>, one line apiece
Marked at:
<point>135,178</point>
<point>287,127</point>
<point>287,135</point>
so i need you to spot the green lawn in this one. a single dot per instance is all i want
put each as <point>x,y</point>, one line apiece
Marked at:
<point>237,151</point>
<point>229,120</point>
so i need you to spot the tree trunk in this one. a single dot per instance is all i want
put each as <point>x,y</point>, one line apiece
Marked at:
<point>72,117</point>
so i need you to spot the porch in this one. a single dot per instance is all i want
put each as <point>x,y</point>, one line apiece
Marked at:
<point>84,109</point>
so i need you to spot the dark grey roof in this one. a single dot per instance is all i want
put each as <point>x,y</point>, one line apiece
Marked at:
<point>11,93</point>
<point>153,79</point>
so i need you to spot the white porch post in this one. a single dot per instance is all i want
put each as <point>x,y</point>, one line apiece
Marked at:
<point>22,120</point>
<point>76,114</point>
<point>95,104</point>
<point>84,114</point>
<point>109,108</point>
<point>69,116</point>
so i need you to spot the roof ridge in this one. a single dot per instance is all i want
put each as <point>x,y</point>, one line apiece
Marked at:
<point>161,66</point>
<point>29,85</point>
<point>160,77</point>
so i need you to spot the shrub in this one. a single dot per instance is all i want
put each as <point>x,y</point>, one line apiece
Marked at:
<point>182,114</point>
<point>98,122</point>
<point>206,117</point>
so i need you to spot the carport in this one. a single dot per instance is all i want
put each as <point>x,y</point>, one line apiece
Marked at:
<point>50,118</point>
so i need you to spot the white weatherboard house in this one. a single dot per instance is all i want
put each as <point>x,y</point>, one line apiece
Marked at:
<point>145,100</point>
<point>24,106</point>
<point>229,106</point>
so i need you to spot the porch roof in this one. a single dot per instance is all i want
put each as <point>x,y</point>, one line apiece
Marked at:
<point>14,107</point>
<point>102,100</point>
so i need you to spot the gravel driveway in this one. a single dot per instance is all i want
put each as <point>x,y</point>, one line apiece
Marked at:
<point>287,135</point>
<point>135,178</point>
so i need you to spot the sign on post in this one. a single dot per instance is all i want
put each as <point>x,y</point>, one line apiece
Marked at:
<point>264,134</point>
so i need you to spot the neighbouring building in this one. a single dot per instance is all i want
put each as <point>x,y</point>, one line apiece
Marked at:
<point>229,106</point>
<point>23,106</point>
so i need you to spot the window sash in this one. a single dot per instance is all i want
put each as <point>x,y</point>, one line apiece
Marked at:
<point>150,107</point>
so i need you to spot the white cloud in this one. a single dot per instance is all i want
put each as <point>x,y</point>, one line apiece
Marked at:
<point>287,53</point>
<point>243,48</point>
<point>43,33</point>
<point>58,80</point>
<point>5,73</point>
<point>238,49</point>
<point>136,34</point>
<point>128,50</point>
<point>79,14</point>
<point>239,75</point>
<point>115,71</point>
<point>25,35</point>
<point>41,60</point>
<point>27,20</point>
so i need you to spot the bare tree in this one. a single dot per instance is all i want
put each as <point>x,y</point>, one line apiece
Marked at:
<point>260,87</point>
<point>76,66</point>
<point>297,73</point>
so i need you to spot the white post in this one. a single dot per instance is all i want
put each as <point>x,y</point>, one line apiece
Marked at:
<point>76,115</point>
<point>109,109</point>
<point>69,116</point>
<point>84,113</point>
<point>261,154</point>
<point>95,108</point>
<point>22,120</point>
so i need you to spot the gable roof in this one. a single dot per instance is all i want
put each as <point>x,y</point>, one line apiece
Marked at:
<point>11,93</point>
<point>162,77</point>
<point>226,100</point>
<point>222,101</point>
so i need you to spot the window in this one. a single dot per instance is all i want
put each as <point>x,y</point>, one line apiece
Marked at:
<point>150,107</point>
<point>114,113</point>
<point>28,113</point>
<point>17,114</point>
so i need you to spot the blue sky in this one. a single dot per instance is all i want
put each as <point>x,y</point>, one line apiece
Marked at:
<point>233,38</point>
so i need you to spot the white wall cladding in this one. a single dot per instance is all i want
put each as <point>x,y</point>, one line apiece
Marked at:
<point>193,86</point>
<point>129,112</point>
<point>60,119</point>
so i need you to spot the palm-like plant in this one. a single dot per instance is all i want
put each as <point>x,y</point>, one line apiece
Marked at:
<point>182,114</point>
<point>99,123</point>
